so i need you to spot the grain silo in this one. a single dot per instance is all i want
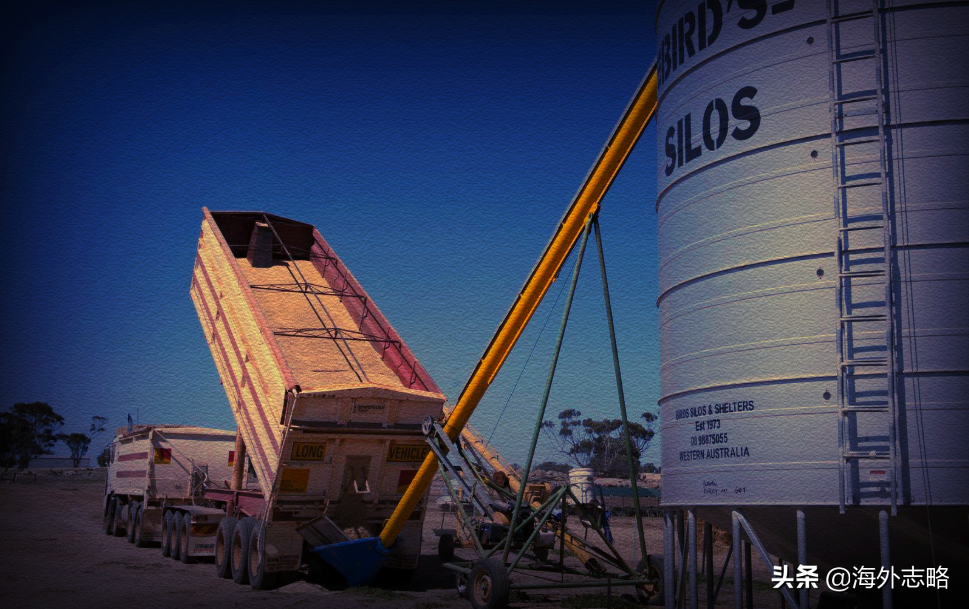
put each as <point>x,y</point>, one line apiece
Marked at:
<point>813,209</point>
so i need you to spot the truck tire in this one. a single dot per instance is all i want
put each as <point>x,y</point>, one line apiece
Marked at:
<point>119,509</point>
<point>461,584</point>
<point>445,547</point>
<point>488,587</point>
<point>223,547</point>
<point>132,513</point>
<point>166,534</point>
<point>239,551</point>
<point>185,541</point>
<point>651,594</point>
<point>176,536</point>
<point>259,579</point>
<point>140,541</point>
<point>108,525</point>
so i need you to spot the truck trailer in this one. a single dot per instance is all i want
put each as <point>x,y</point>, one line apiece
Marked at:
<point>328,399</point>
<point>156,485</point>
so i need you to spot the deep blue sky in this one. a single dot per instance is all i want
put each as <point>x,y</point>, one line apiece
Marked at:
<point>434,147</point>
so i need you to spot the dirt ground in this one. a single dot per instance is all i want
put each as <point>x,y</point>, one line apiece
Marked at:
<point>54,554</point>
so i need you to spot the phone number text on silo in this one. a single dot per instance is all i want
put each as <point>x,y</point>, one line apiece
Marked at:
<point>721,452</point>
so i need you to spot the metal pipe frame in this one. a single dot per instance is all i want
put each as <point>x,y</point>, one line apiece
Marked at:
<point>633,466</point>
<point>542,513</point>
<point>548,384</point>
<point>459,514</point>
<point>547,507</point>
<point>555,498</point>
<point>740,552</point>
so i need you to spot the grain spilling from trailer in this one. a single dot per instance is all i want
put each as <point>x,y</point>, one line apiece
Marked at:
<point>155,470</point>
<point>327,397</point>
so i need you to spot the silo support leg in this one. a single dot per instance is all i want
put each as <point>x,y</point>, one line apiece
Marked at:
<point>708,559</point>
<point>669,558</point>
<point>691,548</point>
<point>885,555</point>
<point>780,563</point>
<point>723,573</point>
<point>681,583</point>
<point>740,521</point>
<point>738,591</point>
<point>748,576</point>
<point>801,555</point>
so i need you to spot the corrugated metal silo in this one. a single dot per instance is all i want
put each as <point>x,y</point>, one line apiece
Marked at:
<point>814,269</point>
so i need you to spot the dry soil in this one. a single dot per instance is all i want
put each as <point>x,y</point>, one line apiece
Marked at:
<point>53,554</point>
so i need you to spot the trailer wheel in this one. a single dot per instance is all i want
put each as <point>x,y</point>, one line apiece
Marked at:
<point>176,536</point>
<point>541,554</point>
<point>166,534</point>
<point>445,547</point>
<point>119,529</point>
<point>109,515</point>
<point>259,579</point>
<point>651,594</point>
<point>489,585</point>
<point>185,541</point>
<point>239,551</point>
<point>140,541</point>
<point>223,547</point>
<point>132,512</point>
<point>461,584</point>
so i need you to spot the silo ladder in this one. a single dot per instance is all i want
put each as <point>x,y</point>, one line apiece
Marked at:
<point>867,414</point>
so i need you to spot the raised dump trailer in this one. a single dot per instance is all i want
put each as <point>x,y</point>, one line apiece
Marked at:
<point>159,471</point>
<point>328,399</point>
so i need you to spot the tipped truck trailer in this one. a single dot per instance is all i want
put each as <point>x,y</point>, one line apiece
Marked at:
<point>487,582</point>
<point>328,399</point>
<point>156,485</point>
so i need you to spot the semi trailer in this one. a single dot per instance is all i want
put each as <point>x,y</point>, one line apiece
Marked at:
<point>327,398</point>
<point>156,484</point>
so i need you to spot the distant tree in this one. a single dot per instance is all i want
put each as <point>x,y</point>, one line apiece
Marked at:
<point>600,444</point>
<point>78,443</point>
<point>9,430</point>
<point>97,426</point>
<point>27,431</point>
<point>649,468</point>
<point>96,429</point>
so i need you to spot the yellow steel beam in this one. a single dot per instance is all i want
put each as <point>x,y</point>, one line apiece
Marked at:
<point>586,202</point>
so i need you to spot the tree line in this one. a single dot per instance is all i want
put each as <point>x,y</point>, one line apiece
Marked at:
<point>28,431</point>
<point>601,443</point>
